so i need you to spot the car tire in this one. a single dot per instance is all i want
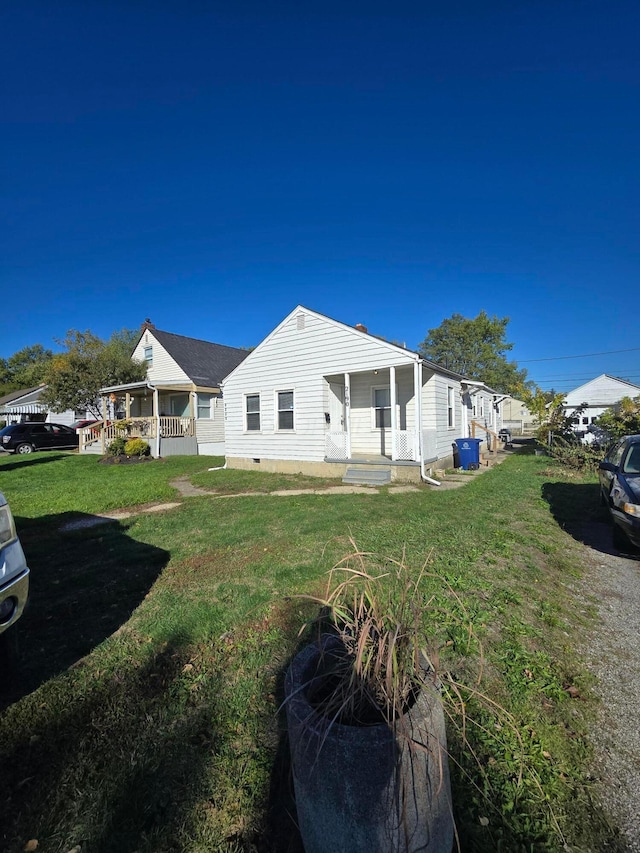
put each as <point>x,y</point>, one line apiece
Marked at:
<point>25,448</point>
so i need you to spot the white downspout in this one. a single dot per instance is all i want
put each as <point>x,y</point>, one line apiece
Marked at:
<point>417,382</point>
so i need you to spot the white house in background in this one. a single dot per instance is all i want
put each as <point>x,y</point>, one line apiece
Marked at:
<point>25,405</point>
<point>597,396</point>
<point>320,397</point>
<point>178,407</point>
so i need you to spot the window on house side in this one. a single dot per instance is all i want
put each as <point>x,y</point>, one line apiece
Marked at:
<point>252,411</point>
<point>285,409</point>
<point>204,405</point>
<point>148,355</point>
<point>450,409</point>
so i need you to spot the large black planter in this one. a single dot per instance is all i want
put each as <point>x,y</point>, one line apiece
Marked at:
<point>368,789</point>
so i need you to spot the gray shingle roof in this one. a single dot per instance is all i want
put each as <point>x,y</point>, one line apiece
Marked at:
<point>204,363</point>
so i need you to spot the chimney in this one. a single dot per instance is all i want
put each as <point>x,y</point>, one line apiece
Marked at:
<point>361,328</point>
<point>147,325</point>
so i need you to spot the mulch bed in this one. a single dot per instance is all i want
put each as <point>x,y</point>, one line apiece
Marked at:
<point>125,460</point>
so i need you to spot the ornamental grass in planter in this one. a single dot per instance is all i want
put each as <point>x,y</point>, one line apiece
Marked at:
<point>365,719</point>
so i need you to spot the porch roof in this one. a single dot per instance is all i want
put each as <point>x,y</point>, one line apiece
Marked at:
<point>156,386</point>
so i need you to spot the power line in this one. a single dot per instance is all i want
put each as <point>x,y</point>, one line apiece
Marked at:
<point>586,355</point>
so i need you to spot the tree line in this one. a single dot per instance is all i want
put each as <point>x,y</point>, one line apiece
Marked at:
<point>74,376</point>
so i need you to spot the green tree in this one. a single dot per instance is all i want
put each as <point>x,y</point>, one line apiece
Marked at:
<point>75,376</point>
<point>475,349</point>
<point>550,417</point>
<point>24,369</point>
<point>621,419</point>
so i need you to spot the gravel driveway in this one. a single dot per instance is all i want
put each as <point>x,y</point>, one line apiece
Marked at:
<point>613,655</point>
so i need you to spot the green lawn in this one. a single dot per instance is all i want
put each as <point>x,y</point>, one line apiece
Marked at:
<point>144,713</point>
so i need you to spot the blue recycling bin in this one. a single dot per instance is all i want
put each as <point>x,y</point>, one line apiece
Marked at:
<point>469,452</point>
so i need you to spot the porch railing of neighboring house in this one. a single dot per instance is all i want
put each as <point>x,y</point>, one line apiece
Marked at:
<point>177,427</point>
<point>103,433</point>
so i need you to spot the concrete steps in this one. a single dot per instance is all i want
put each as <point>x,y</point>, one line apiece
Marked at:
<point>360,476</point>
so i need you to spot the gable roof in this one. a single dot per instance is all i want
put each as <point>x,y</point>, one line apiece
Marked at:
<point>204,363</point>
<point>15,395</point>
<point>606,388</point>
<point>365,335</point>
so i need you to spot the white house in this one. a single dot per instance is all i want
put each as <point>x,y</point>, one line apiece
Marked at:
<point>596,396</point>
<point>320,397</point>
<point>178,407</point>
<point>26,405</point>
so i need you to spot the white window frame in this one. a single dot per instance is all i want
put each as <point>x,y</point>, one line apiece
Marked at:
<point>246,412</point>
<point>375,409</point>
<point>200,406</point>
<point>278,410</point>
<point>451,407</point>
<point>148,354</point>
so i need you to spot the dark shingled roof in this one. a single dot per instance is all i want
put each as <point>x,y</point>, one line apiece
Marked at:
<point>204,363</point>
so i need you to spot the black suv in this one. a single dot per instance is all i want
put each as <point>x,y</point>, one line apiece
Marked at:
<point>25,438</point>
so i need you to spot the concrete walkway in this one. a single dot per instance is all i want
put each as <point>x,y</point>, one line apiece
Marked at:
<point>186,489</point>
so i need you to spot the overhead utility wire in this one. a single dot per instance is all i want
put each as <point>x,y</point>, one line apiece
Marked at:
<point>586,355</point>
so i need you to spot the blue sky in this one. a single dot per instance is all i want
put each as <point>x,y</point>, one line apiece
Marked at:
<point>212,165</point>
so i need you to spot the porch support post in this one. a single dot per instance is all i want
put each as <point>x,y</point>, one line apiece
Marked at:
<point>417,397</point>
<point>127,405</point>
<point>156,414</point>
<point>394,412</point>
<point>104,423</point>
<point>347,412</point>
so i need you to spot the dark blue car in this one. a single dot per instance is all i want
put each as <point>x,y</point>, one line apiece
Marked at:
<point>619,474</point>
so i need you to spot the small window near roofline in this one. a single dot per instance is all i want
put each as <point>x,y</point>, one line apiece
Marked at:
<point>148,355</point>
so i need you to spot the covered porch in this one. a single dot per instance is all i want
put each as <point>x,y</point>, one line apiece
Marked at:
<point>163,415</point>
<point>374,417</point>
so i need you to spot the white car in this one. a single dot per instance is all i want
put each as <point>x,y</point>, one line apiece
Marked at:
<point>14,574</point>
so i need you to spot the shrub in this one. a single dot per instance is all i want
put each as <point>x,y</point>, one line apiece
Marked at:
<point>573,454</point>
<point>116,448</point>
<point>136,447</point>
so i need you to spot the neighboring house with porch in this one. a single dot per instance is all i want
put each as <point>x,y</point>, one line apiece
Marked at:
<point>592,399</point>
<point>25,405</point>
<point>178,407</point>
<point>323,398</point>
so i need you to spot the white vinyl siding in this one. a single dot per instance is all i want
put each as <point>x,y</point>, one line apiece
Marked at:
<point>301,358</point>
<point>163,368</point>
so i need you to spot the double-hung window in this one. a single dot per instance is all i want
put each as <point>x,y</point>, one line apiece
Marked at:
<point>252,411</point>
<point>285,409</point>
<point>204,405</point>
<point>382,407</point>
<point>450,408</point>
<point>148,355</point>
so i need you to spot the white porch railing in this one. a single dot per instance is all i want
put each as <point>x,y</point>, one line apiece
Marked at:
<point>103,433</point>
<point>336,445</point>
<point>175,427</point>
